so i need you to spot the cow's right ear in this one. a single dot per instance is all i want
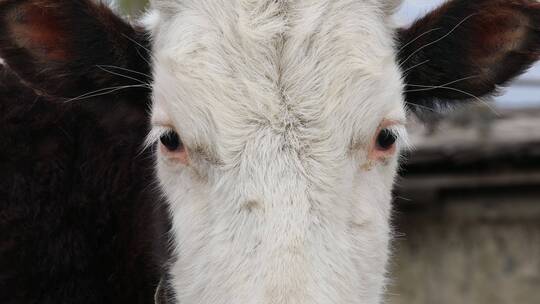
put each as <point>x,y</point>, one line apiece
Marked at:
<point>71,47</point>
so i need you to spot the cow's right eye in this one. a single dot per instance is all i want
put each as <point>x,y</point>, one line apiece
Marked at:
<point>171,141</point>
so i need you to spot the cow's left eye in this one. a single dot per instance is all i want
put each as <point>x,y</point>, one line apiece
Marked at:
<point>386,139</point>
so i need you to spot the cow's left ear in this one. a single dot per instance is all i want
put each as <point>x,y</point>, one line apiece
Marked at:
<point>466,49</point>
<point>70,47</point>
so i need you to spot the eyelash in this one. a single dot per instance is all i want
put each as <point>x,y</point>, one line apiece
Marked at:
<point>400,133</point>
<point>155,135</point>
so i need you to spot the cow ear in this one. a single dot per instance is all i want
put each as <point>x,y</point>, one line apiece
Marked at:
<point>69,47</point>
<point>466,49</point>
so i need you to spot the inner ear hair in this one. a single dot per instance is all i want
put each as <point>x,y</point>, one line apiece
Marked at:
<point>465,50</point>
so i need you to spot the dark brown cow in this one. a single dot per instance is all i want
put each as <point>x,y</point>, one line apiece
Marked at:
<point>78,210</point>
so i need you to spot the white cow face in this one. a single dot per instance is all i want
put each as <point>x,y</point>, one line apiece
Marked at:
<point>280,125</point>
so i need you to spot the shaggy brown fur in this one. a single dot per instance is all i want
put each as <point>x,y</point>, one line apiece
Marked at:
<point>80,221</point>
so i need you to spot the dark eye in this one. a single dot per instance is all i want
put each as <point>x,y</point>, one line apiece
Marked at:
<point>386,140</point>
<point>171,141</point>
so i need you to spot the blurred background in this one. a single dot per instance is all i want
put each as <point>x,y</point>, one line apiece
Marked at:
<point>468,200</point>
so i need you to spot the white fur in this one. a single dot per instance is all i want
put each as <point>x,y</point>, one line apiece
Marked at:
<point>277,103</point>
